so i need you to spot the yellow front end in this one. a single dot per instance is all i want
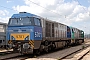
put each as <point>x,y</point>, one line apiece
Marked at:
<point>20,36</point>
<point>22,42</point>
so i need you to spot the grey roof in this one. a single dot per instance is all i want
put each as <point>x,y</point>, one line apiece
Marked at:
<point>3,23</point>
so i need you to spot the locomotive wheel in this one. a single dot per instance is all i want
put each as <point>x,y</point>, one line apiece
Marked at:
<point>46,43</point>
<point>65,44</point>
<point>36,52</point>
<point>46,49</point>
<point>83,41</point>
<point>53,46</point>
<point>50,48</point>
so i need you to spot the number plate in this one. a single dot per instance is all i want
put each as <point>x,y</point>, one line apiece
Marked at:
<point>20,36</point>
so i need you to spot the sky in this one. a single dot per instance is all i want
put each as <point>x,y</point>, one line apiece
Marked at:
<point>75,13</point>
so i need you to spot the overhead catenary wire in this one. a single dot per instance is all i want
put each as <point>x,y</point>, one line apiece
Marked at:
<point>81,5</point>
<point>37,5</point>
<point>47,9</point>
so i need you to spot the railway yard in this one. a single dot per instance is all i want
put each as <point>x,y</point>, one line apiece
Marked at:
<point>52,30</point>
<point>78,52</point>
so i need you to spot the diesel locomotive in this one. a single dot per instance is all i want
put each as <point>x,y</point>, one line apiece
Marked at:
<point>28,34</point>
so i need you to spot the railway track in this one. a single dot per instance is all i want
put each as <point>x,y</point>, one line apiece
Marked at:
<point>62,54</point>
<point>8,56</point>
<point>5,52</point>
<point>70,56</point>
<point>82,54</point>
<point>77,54</point>
<point>75,50</point>
<point>66,53</point>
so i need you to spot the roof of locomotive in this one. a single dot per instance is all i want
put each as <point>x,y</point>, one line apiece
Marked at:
<point>25,14</point>
<point>75,28</point>
<point>52,21</point>
<point>1,23</point>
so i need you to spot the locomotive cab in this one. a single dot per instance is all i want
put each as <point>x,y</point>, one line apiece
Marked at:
<point>24,31</point>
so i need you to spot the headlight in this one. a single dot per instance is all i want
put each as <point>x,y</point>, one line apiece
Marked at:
<point>12,38</point>
<point>27,38</point>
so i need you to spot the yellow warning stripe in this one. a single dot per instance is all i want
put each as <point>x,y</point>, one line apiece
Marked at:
<point>31,42</point>
<point>9,41</point>
<point>31,45</point>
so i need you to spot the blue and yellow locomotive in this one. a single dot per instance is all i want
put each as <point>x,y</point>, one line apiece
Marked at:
<point>24,31</point>
<point>29,33</point>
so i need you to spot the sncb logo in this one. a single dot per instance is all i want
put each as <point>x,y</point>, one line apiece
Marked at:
<point>37,34</point>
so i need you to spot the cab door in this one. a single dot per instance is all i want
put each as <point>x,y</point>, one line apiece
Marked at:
<point>68,32</point>
<point>72,34</point>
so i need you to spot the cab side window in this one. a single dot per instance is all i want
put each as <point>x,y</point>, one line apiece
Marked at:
<point>72,30</point>
<point>37,22</point>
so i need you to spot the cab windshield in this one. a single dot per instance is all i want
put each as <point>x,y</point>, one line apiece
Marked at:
<point>21,21</point>
<point>24,21</point>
